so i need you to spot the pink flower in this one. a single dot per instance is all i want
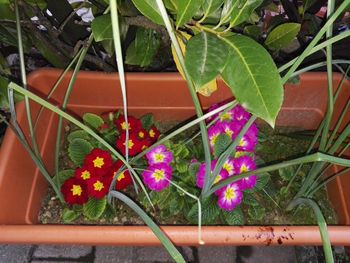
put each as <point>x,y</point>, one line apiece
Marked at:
<point>230,196</point>
<point>159,154</point>
<point>213,133</point>
<point>157,176</point>
<point>244,164</point>
<point>240,114</point>
<point>247,144</point>
<point>200,177</point>
<point>229,166</point>
<point>230,129</point>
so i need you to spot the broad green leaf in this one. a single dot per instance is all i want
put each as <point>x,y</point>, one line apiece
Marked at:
<point>147,121</point>
<point>242,10</point>
<point>221,144</point>
<point>249,199</point>
<point>210,212</point>
<point>287,173</point>
<point>171,5</point>
<point>186,10</point>
<point>63,176</point>
<point>206,57</point>
<point>262,181</point>
<point>81,134</point>
<point>101,28</point>
<point>78,149</point>
<point>150,10</point>
<point>92,120</point>
<point>182,167</point>
<point>4,2</point>
<point>256,212</point>
<point>227,11</point>
<point>253,78</point>
<point>253,31</point>
<point>4,103</point>
<point>234,217</point>
<point>39,3</point>
<point>94,208</point>
<point>143,49</point>
<point>282,35</point>
<point>7,11</point>
<point>193,169</point>
<point>8,35</point>
<point>69,216</point>
<point>176,206</point>
<point>210,6</point>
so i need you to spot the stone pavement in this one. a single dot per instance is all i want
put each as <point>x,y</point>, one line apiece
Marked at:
<point>103,254</point>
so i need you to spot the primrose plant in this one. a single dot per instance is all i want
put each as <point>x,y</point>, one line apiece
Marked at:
<point>207,43</point>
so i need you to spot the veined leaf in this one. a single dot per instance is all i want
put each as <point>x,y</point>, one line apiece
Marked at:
<point>235,217</point>
<point>101,27</point>
<point>186,10</point>
<point>226,11</point>
<point>94,208</point>
<point>206,56</point>
<point>282,35</point>
<point>210,6</point>
<point>143,49</point>
<point>149,9</point>
<point>253,78</point>
<point>242,10</point>
<point>93,120</point>
<point>78,149</point>
<point>171,5</point>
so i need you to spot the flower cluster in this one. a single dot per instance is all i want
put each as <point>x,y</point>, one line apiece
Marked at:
<point>159,172</point>
<point>231,124</point>
<point>139,138</point>
<point>93,179</point>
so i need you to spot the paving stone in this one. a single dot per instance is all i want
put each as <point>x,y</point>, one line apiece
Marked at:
<point>15,253</point>
<point>114,254</point>
<point>54,261</point>
<point>266,255</point>
<point>207,254</point>
<point>62,251</point>
<point>152,254</point>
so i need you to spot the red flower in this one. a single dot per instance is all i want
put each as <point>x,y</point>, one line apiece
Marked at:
<point>134,144</point>
<point>134,124</point>
<point>84,173</point>
<point>99,160</point>
<point>153,133</point>
<point>74,191</point>
<point>124,178</point>
<point>98,187</point>
<point>145,144</point>
<point>142,134</point>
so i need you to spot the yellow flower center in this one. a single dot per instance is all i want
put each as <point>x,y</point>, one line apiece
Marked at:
<point>144,147</point>
<point>217,179</point>
<point>130,144</point>
<point>228,168</point>
<point>229,132</point>
<point>213,139</point>
<point>225,117</point>
<point>159,157</point>
<point>229,194</point>
<point>141,134</point>
<point>85,175</point>
<point>243,169</point>
<point>98,162</point>
<point>121,177</point>
<point>98,186</point>
<point>242,142</point>
<point>152,133</point>
<point>76,190</point>
<point>158,175</point>
<point>124,125</point>
<point>239,154</point>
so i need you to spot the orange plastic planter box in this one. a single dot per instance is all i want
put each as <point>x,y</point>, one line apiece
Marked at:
<point>22,187</point>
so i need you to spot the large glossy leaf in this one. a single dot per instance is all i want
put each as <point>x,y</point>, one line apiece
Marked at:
<point>282,35</point>
<point>143,49</point>
<point>94,208</point>
<point>226,11</point>
<point>206,56</point>
<point>210,6</point>
<point>186,10</point>
<point>92,120</point>
<point>242,10</point>
<point>253,78</point>
<point>149,9</point>
<point>171,5</point>
<point>101,28</point>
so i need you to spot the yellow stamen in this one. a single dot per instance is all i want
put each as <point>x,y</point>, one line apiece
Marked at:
<point>152,133</point>
<point>243,169</point>
<point>98,186</point>
<point>76,190</point>
<point>229,194</point>
<point>217,179</point>
<point>158,175</point>
<point>141,134</point>
<point>124,125</point>
<point>226,116</point>
<point>242,142</point>
<point>98,162</point>
<point>159,157</point>
<point>213,139</point>
<point>121,177</point>
<point>130,144</point>
<point>228,132</point>
<point>228,167</point>
<point>85,175</point>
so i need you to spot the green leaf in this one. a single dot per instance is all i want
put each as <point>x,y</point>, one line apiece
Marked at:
<point>206,56</point>
<point>176,205</point>
<point>147,121</point>
<point>235,217</point>
<point>249,199</point>
<point>193,169</point>
<point>92,120</point>
<point>63,176</point>
<point>4,103</point>
<point>242,10</point>
<point>81,134</point>
<point>101,28</point>
<point>256,212</point>
<point>186,10</point>
<point>282,35</point>
<point>182,167</point>
<point>149,9</point>
<point>226,11</point>
<point>171,5</point>
<point>94,208</point>
<point>143,49</point>
<point>221,144</point>
<point>210,6</point>
<point>78,149</point>
<point>253,31</point>
<point>69,216</point>
<point>262,181</point>
<point>210,212</point>
<point>308,4</point>
<point>8,35</point>
<point>253,78</point>
<point>286,173</point>
<point>110,211</point>
<point>6,11</point>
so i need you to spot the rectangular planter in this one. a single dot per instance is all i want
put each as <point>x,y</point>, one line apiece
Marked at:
<point>22,187</point>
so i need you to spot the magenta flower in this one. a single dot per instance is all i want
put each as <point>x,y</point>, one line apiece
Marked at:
<point>211,108</point>
<point>240,114</point>
<point>244,164</point>
<point>159,154</point>
<point>213,133</point>
<point>157,176</point>
<point>229,128</point>
<point>229,166</point>
<point>247,144</point>
<point>200,177</point>
<point>230,196</point>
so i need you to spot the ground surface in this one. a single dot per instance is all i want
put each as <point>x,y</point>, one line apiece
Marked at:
<point>92,254</point>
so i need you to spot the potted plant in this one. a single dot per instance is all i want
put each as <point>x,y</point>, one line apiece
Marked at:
<point>258,88</point>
